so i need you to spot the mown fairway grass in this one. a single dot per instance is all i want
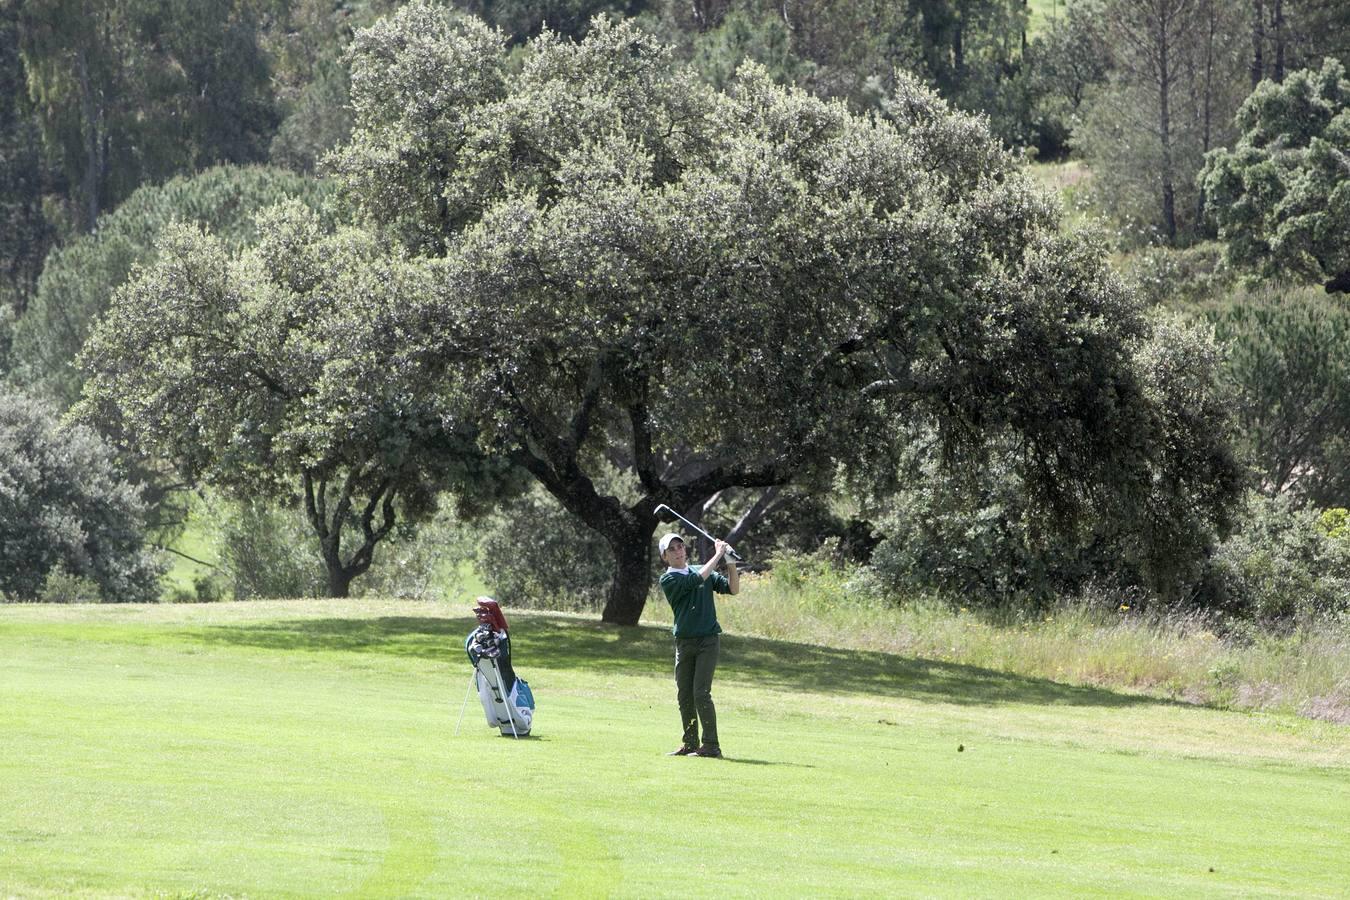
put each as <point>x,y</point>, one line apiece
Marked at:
<point>295,748</point>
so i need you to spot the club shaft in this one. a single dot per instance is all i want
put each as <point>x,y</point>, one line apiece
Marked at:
<point>734,554</point>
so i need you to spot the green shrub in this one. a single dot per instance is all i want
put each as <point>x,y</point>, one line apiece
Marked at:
<point>1285,564</point>
<point>265,550</point>
<point>64,505</point>
<point>534,554</point>
<point>1335,523</point>
<point>828,578</point>
<point>1173,277</point>
<point>1008,526</point>
<point>205,589</point>
<point>179,594</point>
<point>64,587</point>
<point>972,539</point>
<point>422,563</point>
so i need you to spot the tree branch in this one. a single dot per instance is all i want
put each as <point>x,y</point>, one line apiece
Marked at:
<point>718,479</point>
<point>200,562</point>
<point>363,557</point>
<point>590,398</point>
<point>644,461</point>
<point>754,514</point>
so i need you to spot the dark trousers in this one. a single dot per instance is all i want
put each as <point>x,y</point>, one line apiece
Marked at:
<point>695,660</point>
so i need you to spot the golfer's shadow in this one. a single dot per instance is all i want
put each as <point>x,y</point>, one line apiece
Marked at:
<point>765,762</point>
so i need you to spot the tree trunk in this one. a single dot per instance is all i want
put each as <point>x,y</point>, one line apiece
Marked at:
<point>339,580</point>
<point>1207,98</point>
<point>633,576</point>
<point>752,516</point>
<point>92,114</point>
<point>1279,41</point>
<point>1258,41</point>
<point>1165,134</point>
<point>958,53</point>
<point>627,530</point>
<point>330,548</point>
<point>329,532</point>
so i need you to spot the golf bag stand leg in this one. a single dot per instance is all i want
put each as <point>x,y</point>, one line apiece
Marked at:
<point>473,683</point>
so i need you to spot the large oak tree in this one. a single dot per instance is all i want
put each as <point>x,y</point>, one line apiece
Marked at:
<point>747,287</point>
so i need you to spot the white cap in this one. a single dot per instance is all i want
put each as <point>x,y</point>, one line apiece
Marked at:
<point>666,539</point>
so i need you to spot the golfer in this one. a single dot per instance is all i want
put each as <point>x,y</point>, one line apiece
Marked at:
<point>690,595</point>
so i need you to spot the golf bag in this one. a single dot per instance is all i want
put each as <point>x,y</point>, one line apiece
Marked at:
<point>507,701</point>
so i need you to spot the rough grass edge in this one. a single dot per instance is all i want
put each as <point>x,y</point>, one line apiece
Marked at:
<point>1303,669</point>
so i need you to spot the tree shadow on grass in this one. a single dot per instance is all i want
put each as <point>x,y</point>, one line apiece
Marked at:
<point>557,642</point>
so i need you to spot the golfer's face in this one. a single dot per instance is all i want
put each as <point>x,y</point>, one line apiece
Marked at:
<point>675,555</point>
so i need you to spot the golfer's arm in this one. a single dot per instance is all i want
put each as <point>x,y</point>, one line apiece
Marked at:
<point>733,577</point>
<point>710,566</point>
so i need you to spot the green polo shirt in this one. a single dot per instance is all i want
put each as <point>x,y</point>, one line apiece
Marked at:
<point>691,599</point>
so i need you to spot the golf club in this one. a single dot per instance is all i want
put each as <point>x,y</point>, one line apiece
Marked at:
<point>732,553</point>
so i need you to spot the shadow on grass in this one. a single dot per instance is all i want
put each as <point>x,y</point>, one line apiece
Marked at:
<point>556,642</point>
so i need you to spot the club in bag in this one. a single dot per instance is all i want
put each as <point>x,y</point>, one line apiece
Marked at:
<point>732,553</point>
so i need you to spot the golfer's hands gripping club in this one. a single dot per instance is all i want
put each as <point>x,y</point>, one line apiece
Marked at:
<point>724,552</point>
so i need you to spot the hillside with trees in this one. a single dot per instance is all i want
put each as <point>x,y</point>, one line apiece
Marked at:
<point>410,276</point>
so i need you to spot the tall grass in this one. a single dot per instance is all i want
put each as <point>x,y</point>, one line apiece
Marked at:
<point>1183,657</point>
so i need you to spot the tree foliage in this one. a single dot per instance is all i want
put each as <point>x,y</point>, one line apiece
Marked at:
<point>1065,64</point>
<point>305,44</point>
<point>1288,35</point>
<point>65,512</point>
<point>1281,196</point>
<point>260,372</point>
<point>25,232</point>
<point>79,278</point>
<point>522,20</point>
<point>977,534</point>
<point>1287,563</point>
<point>742,288</point>
<point>744,35</point>
<point>129,91</point>
<point>1176,79</point>
<point>1289,368</point>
